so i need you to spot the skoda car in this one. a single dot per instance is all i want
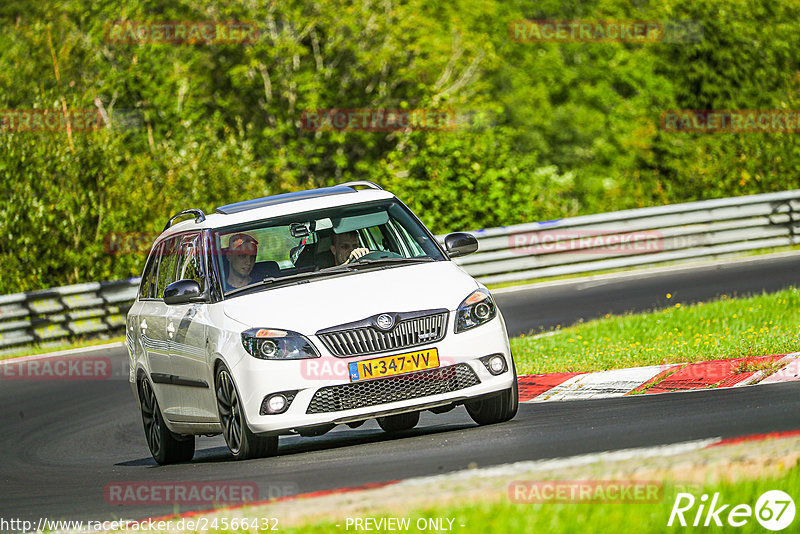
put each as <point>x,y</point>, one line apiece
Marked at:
<point>294,313</point>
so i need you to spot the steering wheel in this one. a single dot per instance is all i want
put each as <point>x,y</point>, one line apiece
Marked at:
<point>379,255</point>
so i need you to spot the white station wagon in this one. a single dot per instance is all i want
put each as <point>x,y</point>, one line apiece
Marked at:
<point>294,313</point>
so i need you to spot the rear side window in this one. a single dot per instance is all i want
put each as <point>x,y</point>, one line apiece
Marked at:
<point>148,284</point>
<point>190,260</point>
<point>167,268</point>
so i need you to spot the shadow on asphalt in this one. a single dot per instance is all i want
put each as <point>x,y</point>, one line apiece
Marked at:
<point>294,444</point>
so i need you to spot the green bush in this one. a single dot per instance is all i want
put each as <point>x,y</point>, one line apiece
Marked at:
<point>545,130</point>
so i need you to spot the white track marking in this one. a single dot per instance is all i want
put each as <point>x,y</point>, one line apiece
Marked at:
<point>753,380</point>
<point>63,352</point>
<point>788,373</point>
<point>544,334</point>
<point>602,384</point>
<point>546,396</point>
<point>571,461</point>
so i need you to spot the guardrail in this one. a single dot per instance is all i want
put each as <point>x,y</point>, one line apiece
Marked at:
<point>632,238</point>
<point>69,311</point>
<point>622,239</point>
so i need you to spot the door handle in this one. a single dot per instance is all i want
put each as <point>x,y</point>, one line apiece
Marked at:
<point>171,329</point>
<point>143,324</point>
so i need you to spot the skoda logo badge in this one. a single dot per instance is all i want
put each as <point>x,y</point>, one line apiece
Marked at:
<point>384,321</point>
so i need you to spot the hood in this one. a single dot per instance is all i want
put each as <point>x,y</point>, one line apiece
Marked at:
<point>309,307</point>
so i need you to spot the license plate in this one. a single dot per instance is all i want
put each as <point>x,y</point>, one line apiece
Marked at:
<point>394,365</point>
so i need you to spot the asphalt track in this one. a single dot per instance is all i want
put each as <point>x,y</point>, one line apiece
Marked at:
<point>536,308</point>
<point>63,442</point>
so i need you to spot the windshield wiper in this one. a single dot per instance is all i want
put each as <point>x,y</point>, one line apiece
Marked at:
<point>310,274</point>
<point>380,261</point>
<point>291,277</point>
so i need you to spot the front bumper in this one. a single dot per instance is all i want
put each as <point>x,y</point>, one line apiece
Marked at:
<point>328,375</point>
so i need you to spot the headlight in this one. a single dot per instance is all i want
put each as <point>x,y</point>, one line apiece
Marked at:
<point>270,344</point>
<point>476,309</point>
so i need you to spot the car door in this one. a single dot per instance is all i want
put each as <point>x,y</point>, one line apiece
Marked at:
<point>137,315</point>
<point>187,332</point>
<point>154,323</point>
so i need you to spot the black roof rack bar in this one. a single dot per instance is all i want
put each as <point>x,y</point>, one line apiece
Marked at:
<point>365,183</point>
<point>199,217</point>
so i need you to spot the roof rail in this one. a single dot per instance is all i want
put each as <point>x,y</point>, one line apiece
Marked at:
<point>199,217</point>
<point>364,183</point>
<point>282,198</point>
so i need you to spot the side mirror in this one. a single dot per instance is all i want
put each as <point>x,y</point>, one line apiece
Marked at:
<point>182,292</point>
<point>460,244</point>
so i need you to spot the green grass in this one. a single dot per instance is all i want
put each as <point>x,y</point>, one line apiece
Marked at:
<point>506,517</point>
<point>30,350</point>
<point>722,329</point>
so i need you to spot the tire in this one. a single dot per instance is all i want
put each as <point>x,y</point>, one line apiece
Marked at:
<point>497,409</point>
<point>242,443</point>
<point>165,446</point>
<point>399,422</point>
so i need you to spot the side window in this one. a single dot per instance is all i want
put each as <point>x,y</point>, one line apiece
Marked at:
<point>190,260</point>
<point>375,238</point>
<point>167,267</point>
<point>406,239</point>
<point>149,276</point>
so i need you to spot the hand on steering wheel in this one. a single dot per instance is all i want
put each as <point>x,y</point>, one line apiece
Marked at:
<point>356,254</point>
<point>372,255</point>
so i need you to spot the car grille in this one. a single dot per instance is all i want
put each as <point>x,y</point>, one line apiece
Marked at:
<point>368,340</point>
<point>393,389</point>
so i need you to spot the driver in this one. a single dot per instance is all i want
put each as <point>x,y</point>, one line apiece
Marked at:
<point>242,249</point>
<point>346,248</point>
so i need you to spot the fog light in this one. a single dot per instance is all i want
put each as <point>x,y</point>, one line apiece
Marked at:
<point>496,364</point>
<point>276,403</point>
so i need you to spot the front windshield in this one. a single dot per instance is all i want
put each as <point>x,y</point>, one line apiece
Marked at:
<point>314,244</point>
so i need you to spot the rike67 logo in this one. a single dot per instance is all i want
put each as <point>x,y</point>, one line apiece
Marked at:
<point>774,510</point>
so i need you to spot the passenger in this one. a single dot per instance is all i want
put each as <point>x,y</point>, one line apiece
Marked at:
<point>241,252</point>
<point>346,248</point>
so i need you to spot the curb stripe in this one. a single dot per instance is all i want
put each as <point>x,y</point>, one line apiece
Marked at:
<point>718,373</point>
<point>558,390</point>
<point>603,384</point>
<point>658,378</point>
<point>531,386</point>
<point>788,373</point>
<point>670,368</point>
<point>755,437</point>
